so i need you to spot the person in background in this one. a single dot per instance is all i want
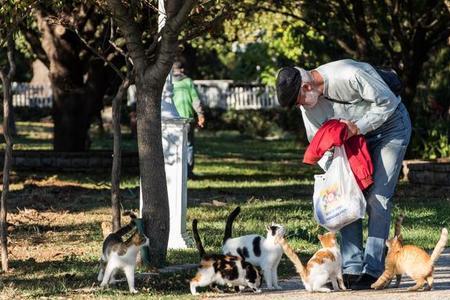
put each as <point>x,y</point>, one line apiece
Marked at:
<point>188,105</point>
<point>355,93</point>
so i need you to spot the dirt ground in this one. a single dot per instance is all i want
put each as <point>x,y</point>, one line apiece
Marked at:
<point>46,224</point>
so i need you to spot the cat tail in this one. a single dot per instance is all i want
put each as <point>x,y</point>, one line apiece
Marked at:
<point>131,214</point>
<point>440,246</point>
<point>229,225</point>
<point>398,224</point>
<point>124,230</point>
<point>198,241</point>
<point>293,257</point>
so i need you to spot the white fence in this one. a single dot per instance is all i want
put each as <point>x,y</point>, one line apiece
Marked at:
<point>251,97</point>
<point>226,94</point>
<point>31,95</point>
<point>223,94</point>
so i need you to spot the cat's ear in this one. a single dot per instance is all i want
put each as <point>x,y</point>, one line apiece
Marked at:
<point>268,228</point>
<point>320,237</point>
<point>400,238</point>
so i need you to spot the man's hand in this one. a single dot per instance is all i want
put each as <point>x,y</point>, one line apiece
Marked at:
<point>352,129</point>
<point>201,121</point>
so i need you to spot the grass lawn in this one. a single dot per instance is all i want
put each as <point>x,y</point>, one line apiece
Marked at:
<point>56,241</point>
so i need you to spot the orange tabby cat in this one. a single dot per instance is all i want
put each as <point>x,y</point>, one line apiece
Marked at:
<point>324,266</point>
<point>397,232</point>
<point>410,260</point>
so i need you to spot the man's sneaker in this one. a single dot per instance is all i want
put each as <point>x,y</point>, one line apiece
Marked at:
<point>350,279</point>
<point>364,282</point>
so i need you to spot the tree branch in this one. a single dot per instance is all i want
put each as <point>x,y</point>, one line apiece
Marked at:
<point>438,37</point>
<point>431,7</point>
<point>35,43</point>
<point>12,64</point>
<point>95,52</point>
<point>131,33</point>
<point>120,50</point>
<point>169,33</point>
<point>178,20</point>
<point>397,28</point>
<point>201,30</point>
<point>346,12</point>
<point>384,38</point>
<point>341,43</point>
<point>282,12</point>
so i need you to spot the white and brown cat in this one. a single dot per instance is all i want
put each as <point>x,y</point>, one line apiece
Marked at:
<point>121,255</point>
<point>410,260</point>
<point>222,269</point>
<point>324,266</point>
<point>259,251</point>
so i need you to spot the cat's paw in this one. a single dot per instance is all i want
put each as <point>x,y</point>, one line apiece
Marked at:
<point>257,291</point>
<point>414,288</point>
<point>134,291</point>
<point>376,286</point>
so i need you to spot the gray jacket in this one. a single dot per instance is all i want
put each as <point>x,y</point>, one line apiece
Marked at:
<point>371,100</point>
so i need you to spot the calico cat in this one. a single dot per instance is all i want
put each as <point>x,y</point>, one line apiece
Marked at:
<point>410,260</point>
<point>257,250</point>
<point>118,254</point>
<point>222,269</point>
<point>325,265</point>
<point>112,238</point>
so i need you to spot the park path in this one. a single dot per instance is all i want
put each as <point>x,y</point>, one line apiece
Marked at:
<point>293,289</point>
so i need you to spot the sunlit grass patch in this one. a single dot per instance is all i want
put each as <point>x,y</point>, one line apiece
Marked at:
<point>56,242</point>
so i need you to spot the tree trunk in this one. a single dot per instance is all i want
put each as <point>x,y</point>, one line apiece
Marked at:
<point>7,107</point>
<point>71,121</point>
<point>413,66</point>
<point>155,209</point>
<point>150,78</point>
<point>72,98</point>
<point>6,168</point>
<point>117,155</point>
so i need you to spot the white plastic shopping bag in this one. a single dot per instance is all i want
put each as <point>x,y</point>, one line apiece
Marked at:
<point>338,200</point>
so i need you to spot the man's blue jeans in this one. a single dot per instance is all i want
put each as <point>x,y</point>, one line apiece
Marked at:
<point>387,146</point>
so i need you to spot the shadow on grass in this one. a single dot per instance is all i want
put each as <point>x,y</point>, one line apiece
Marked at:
<point>242,194</point>
<point>79,199</point>
<point>62,277</point>
<point>237,146</point>
<point>66,198</point>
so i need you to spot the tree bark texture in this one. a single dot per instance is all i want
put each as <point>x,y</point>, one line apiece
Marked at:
<point>155,209</point>
<point>117,154</point>
<point>6,78</point>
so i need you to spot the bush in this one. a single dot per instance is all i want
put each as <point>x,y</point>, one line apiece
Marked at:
<point>432,141</point>
<point>256,123</point>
